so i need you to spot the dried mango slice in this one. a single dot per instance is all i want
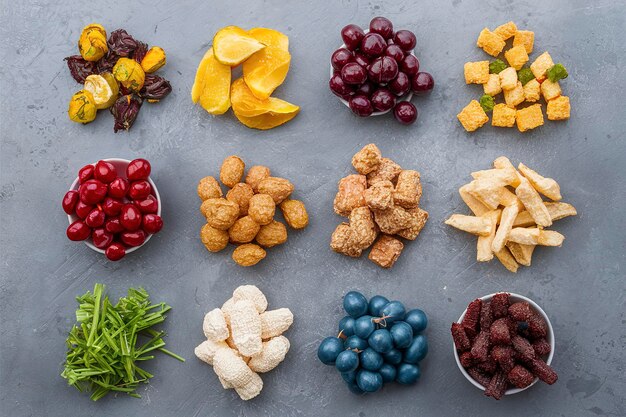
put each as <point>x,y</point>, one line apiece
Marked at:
<point>266,70</point>
<point>212,85</point>
<point>233,45</point>
<point>248,105</point>
<point>267,120</point>
<point>270,37</point>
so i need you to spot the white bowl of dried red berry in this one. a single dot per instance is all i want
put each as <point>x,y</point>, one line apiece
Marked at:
<point>113,206</point>
<point>375,71</point>
<point>503,344</point>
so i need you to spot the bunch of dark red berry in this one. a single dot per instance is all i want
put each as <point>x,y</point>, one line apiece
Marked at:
<point>116,212</point>
<point>502,344</point>
<point>375,68</point>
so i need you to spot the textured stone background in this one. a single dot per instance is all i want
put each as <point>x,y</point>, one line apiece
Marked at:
<point>580,286</point>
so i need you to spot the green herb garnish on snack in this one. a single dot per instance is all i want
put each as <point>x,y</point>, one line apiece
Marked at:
<point>109,340</point>
<point>557,72</point>
<point>487,103</point>
<point>497,66</point>
<point>525,75</point>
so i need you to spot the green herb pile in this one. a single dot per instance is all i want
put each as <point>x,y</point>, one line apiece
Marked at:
<point>109,341</point>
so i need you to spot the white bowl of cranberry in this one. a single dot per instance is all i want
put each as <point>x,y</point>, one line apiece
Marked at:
<point>113,206</point>
<point>503,344</point>
<point>375,71</point>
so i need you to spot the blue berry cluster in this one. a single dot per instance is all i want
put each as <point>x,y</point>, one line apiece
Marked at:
<point>378,342</point>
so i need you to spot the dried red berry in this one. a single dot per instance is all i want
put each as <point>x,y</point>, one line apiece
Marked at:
<point>523,347</point>
<point>480,350</point>
<point>479,376</point>
<point>155,88</point>
<point>537,327</point>
<point>79,68</point>
<point>504,355</point>
<point>543,371</point>
<point>140,52</point>
<point>486,316</point>
<point>466,359</point>
<point>497,386</point>
<point>461,341</point>
<point>520,377</point>
<point>125,111</point>
<point>520,311</point>
<point>107,62</point>
<point>489,366</point>
<point>121,43</point>
<point>499,332</point>
<point>542,347</point>
<point>500,304</point>
<point>472,316</point>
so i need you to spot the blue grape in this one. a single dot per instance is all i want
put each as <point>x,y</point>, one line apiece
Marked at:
<point>417,320</point>
<point>402,334</point>
<point>380,340</point>
<point>393,357</point>
<point>355,342</point>
<point>346,326</point>
<point>354,388</point>
<point>388,372</point>
<point>347,361</point>
<point>408,374</point>
<point>349,377</point>
<point>393,311</point>
<point>369,381</point>
<point>329,349</point>
<point>417,350</point>
<point>364,326</point>
<point>355,304</point>
<point>370,360</point>
<point>376,304</point>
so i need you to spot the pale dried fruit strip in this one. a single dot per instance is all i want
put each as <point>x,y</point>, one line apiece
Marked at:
<point>524,236</point>
<point>550,238</point>
<point>503,162</point>
<point>506,175</point>
<point>546,186</point>
<point>487,191</point>
<point>506,223</point>
<point>557,211</point>
<point>483,246</point>
<point>475,225</point>
<point>505,257</point>
<point>522,253</point>
<point>472,202</point>
<point>533,203</point>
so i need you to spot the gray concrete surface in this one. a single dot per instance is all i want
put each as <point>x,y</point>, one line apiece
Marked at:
<point>580,286</point>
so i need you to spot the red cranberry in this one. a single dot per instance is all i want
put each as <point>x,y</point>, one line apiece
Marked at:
<point>105,172</point>
<point>115,251</point>
<point>82,209</point>
<point>395,52</point>
<point>78,231</point>
<point>352,36</point>
<point>405,39</point>
<point>149,205</point>
<point>382,26</point>
<point>383,100</point>
<point>422,83</point>
<point>85,173</point>
<point>111,206</point>
<point>118,187</point>
<point>140,190</point>
<point>405,113</point>
<point>101,238</point>
<point>135,238</point>
<point>130,217</point>
<point>113,225</point>
<point>69,201</point>
<point>95,218</point>
<point>410,65</point>
<point>138,169</point>
<point>152,223</point>
<point>92,192</point>
<point>373,45</point>
<point>341,57</point>
<point>361,106</point>
<point>401,85</point>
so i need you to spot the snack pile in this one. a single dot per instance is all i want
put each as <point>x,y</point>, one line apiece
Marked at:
<point>378,342</point>
<point>381,201</point>
<point>247,212</point>
<point>517,82</point>
<point>510,216</point>
<point>265,58</point>
<point>116,211</point>
<point>375,71</point>
<point>117,74</point>
<point>244,339</point>
<point>501,345</point>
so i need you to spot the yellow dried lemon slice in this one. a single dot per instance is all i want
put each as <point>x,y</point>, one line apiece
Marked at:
<point>266,70</point>
<point>270,37</point>
<point>212,85</point>
<point>247,104</point>
<point>101,91</point>
<point>233,45</point>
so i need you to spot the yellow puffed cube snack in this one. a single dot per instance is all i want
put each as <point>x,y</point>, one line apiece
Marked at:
<point>490,42</point>
<point>550,90</point>
<point>508,78</point>
<point>558,108</point>
<point>503,116</point>
<point>476,72</point>
<point>514,96</point>
<point>492,87</point>
<point>525,38</point>
<point>529,118</point>
<point>506,30</point>
<point>516,57</point>
<point>472,116</point>
<point>542,64</point>
<point>532,90</point>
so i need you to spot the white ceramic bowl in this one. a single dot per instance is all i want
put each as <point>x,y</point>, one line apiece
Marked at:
<point>120,165</point>
<point>550,338</point>
<point>407,97</point>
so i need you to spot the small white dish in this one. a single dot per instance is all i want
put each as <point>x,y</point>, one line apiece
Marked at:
<point>407,97</point>
<point>120,166</point>
<point>550,338</point>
